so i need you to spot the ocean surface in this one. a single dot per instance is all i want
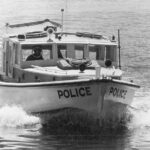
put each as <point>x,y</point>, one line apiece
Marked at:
<point>18,130</point>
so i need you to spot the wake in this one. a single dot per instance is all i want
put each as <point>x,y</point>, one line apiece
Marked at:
<point>14,116</point>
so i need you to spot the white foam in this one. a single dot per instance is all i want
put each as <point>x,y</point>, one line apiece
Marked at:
<point>141,115</point>
<point>14,116</point>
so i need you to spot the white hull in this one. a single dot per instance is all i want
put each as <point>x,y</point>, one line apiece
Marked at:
<point>94,96</point>
<point>117,96</point>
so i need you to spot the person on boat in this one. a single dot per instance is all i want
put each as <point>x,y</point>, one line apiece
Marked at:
<point>108,63</point>
<point>37,54</point>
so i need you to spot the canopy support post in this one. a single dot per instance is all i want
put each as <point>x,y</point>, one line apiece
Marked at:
<point>119,47</point>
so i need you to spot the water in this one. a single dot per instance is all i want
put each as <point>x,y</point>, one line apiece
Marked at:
<point>18,130</point>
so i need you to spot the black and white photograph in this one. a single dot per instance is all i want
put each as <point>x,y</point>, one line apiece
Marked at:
<point>74,74</point>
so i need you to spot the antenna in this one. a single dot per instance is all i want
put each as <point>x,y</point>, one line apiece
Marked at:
<point>62,20</point>
<point>119,47</point>
<point>6,28</point>
<point>66,12</point>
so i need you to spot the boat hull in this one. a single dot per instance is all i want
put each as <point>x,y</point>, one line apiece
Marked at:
<point>95,96</point>
<point>115,99</point>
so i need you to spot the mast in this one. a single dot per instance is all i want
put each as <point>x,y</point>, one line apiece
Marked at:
<point>119,47</point>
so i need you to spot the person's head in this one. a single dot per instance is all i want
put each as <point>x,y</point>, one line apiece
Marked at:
<point>108,63</point>
<point>37,50</point>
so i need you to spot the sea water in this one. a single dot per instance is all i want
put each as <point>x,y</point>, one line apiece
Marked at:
<point>19,130</point>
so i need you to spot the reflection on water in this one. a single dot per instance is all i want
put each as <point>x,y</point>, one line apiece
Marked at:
<point>16,138</point>
<point>112,139</point>
<point>43,139</point>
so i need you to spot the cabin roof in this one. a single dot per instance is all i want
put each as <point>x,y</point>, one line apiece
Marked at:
<point>47,31</point>
<point>66,38</point>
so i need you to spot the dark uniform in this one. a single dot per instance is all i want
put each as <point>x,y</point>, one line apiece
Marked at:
<point>33,57</point>
<point>36,55</point>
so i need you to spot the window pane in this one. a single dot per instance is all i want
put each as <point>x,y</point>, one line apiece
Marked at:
<point>92,52</point>
<point>26,53</point>
<point>47,54</point>
<point>4,61</point>
<point>96,52</point>
<point>62,51</point>
<point>101,50</point>
<point>16,49</point>
<point>110,53</point>
<point>79,51</point>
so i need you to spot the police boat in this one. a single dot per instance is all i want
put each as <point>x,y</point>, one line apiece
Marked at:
<point>64,71</point>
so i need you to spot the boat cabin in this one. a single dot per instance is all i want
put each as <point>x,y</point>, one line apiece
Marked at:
<point>55,49</point>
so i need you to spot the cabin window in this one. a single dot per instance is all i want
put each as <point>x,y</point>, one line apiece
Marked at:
<point>93,52</point>
<point>47,52</point>
<point>62,51</point>
<point>4,61</point>
<point>79,51</point>
<point>16,50</point>
<point>10,58</point>
<point>96,52</point>
<point>27,50</point>
<point>16,54</point>
<point>111,53</point>
<point>101,50</point>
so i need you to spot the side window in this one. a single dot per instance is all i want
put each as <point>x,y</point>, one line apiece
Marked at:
<point>16,50</point>
<point>92,52</point>
<point>26,53</point>
<point>101,52</point>
<point>96,52</point>
<point>47,52</point>
<point>4,61</point>
<point>10,57</point>
<point>62,51</point>
<point>111,53</point>
<point>79,51</point>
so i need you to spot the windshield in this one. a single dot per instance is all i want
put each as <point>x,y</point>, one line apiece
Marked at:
<point>102,52</point>
<point>36,52</point>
